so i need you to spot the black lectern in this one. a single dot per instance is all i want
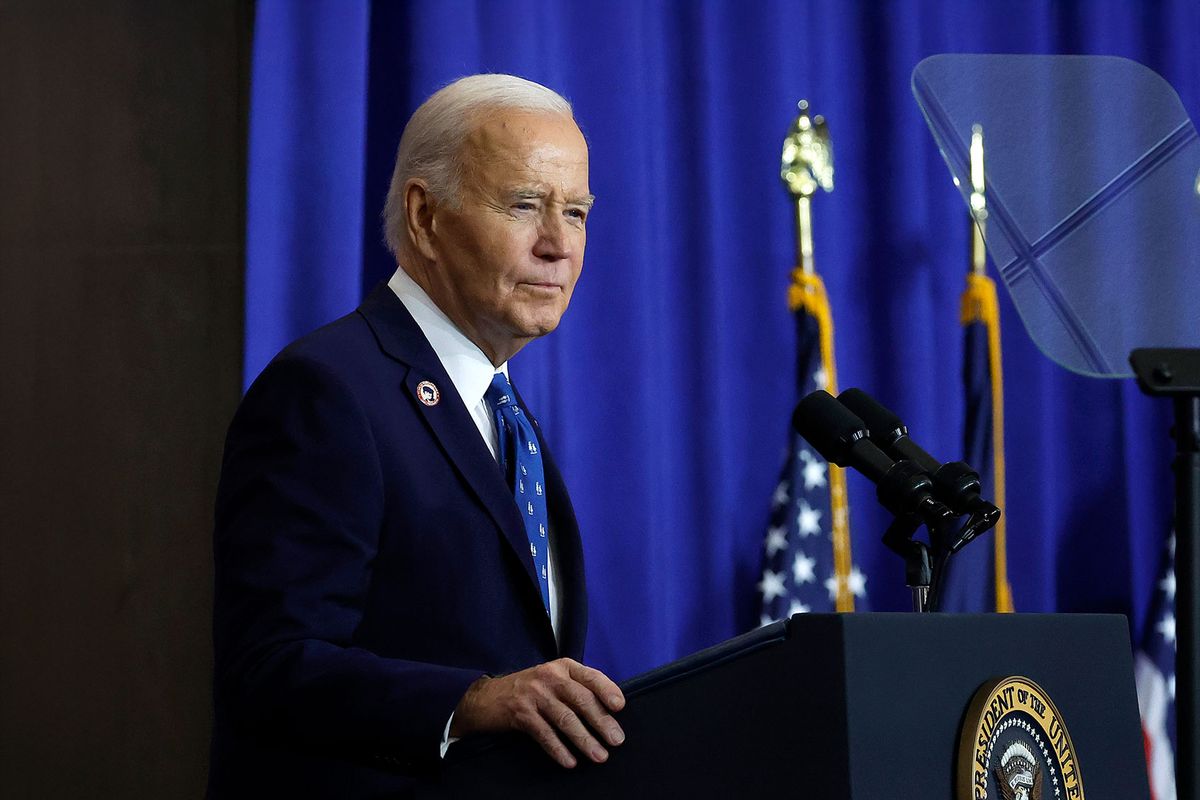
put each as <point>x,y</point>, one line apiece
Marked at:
<point>838,706</point>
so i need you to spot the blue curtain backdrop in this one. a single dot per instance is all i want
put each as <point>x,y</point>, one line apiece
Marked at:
<point>666,392</point>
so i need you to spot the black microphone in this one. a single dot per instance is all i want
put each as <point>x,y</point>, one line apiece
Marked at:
<point>954,483</point>
<point>843,439</point>
<point>839,436</point>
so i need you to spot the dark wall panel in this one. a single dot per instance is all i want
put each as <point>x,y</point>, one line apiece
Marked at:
<point>121,215</point>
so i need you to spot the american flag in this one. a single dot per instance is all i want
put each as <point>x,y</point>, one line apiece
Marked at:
<point>806,554</point>
<point>1154,670</point>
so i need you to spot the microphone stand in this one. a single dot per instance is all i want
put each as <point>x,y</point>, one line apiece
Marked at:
<point>904,490</point>
<point>918,568</point>
<point>922,572</point>
<point>954,484</point>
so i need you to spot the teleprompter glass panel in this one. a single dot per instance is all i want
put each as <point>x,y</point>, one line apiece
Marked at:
<point>1092,211</point>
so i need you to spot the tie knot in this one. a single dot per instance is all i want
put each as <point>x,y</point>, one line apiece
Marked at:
<point>500,393</point>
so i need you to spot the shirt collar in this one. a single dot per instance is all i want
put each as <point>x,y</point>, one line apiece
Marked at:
<point>469,369</point>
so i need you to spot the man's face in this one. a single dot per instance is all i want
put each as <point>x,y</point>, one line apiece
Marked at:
<point>507,259</point>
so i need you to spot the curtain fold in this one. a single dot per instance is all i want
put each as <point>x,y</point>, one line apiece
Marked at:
<point>304,203</point>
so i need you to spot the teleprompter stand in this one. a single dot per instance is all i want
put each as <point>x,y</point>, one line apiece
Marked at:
<point>837,706</point>
<point>1175,373</point>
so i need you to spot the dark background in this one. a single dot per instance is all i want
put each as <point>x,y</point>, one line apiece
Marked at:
<point>122,174</point>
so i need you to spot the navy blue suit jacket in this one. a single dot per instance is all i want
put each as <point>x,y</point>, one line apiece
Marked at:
<point>370,565</point>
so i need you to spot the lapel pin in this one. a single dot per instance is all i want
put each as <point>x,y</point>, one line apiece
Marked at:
<point>428,394</point>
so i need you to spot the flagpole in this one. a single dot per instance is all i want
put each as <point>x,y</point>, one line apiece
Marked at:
<point>980,303</point>
<point>806,165</point>
<point>979,214</point>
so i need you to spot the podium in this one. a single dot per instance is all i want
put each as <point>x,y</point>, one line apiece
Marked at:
<point>836,706</point>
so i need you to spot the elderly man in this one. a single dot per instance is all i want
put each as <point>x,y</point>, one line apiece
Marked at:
<point>398,564</point>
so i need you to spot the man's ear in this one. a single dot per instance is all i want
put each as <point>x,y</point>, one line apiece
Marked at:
<point>418,218</point>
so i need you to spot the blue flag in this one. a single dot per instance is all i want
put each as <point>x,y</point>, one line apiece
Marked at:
<point>976,577</point>
<point>806,556</point>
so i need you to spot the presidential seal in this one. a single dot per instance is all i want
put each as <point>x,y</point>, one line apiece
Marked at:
<point>1015,746</point>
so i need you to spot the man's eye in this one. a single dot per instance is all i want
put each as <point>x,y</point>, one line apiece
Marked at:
<point>577,213</point>
<point>523,206</point>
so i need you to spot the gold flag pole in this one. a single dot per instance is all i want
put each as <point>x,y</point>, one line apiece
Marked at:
<point>980,304</point>
<point>805,166</point>
<point>979,212</point>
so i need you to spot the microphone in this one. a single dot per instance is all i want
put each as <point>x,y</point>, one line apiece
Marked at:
<point>955,483</point>
<point>839,436</point>
<point>843,439</point>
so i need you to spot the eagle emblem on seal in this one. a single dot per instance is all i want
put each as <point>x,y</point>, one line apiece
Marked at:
<point>1019,776</point>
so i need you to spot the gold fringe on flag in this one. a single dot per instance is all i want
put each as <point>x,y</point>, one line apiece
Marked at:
<point>808,292</point>
<point>979,304</point>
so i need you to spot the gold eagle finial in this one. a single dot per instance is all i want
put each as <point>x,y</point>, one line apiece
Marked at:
<point>807,161</point>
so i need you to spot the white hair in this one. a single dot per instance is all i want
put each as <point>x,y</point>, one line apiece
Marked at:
<point>432,143</point>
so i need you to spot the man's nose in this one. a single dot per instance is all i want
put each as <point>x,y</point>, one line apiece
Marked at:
<point>554,240</point>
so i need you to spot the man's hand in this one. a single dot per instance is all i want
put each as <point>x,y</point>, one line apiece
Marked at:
<point>547,702</point>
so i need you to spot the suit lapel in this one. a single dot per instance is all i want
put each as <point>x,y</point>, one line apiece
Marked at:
<point>401,338</point>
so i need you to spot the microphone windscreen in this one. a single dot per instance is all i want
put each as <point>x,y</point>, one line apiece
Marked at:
<point>828,426</point>
<point>884,426</point>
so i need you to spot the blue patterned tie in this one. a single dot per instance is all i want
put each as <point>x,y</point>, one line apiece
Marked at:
<point>522,462</point>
